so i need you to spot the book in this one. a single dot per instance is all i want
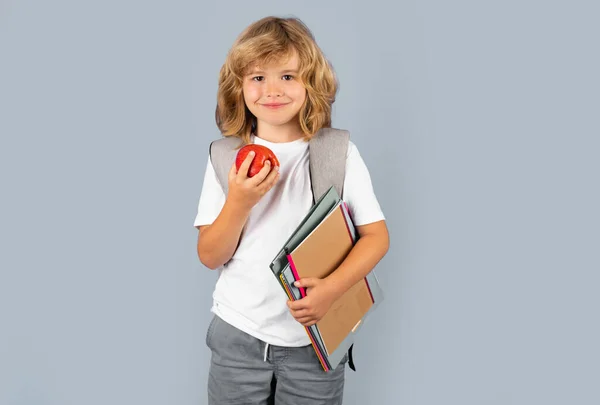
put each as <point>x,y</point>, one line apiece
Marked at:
<point>319,254</point>
<point>316,248</point>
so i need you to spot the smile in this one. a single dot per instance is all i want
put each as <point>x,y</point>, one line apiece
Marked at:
<point>274,106</point>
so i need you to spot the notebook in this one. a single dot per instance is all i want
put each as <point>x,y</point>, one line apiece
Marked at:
<point>318,255</point>
<point>334,334</point>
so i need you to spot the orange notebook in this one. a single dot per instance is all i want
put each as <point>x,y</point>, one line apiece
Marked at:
<point>321,252</point>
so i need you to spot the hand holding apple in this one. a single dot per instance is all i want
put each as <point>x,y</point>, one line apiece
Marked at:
<point>262,155</point>
<point>252,175</point>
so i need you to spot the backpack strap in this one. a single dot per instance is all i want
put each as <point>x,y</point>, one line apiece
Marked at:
<point>327,159</point>
<point>222,154</point>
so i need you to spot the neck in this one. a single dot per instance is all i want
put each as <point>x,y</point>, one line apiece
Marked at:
<point>279,133</point>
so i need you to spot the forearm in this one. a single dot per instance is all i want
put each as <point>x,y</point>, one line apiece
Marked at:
<point>218,242</point>
<point>363,257</point>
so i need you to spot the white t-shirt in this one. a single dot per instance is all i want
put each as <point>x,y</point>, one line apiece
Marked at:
<point>247,295</point>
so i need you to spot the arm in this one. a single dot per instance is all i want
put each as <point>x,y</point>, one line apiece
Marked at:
<point>370,248</point>
<point>218,241</point>
<point>373,242</point>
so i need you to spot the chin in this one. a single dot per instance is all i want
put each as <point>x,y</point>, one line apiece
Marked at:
<point>276,122</point>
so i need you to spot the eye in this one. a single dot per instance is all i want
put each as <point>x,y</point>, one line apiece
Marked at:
<point>258,78</point>
<point>288,77</point>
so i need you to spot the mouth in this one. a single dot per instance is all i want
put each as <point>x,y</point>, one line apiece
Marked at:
<point>274,105</point>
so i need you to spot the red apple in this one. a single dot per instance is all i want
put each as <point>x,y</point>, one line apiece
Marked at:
<point>262,154</point>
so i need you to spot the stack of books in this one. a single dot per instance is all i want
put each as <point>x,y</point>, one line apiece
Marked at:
<point>315,249</point>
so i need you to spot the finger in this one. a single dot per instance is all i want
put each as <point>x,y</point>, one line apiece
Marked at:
<point>302,313</point>
<point>243,172</point>
<point>262,174</point>
<point>232,172</point>
<point>298,305</point>
<point>307,282</point>
<point>306,321</point>
<point>304,318</point>
<point>273,180</point>
<point>270,181</point>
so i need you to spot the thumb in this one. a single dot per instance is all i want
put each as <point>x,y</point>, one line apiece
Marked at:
<point>307,282</point>
<point>232,172</point>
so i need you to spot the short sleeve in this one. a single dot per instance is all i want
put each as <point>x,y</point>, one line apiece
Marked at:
<point>358,190</point>
<point>212,198</point>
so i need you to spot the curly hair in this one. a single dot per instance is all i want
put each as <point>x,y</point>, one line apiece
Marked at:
<point>268,40</point>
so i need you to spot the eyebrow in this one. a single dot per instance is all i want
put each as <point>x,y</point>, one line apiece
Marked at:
<point>254,72</point>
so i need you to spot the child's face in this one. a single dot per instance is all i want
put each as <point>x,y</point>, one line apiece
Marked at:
<point>274,94</point>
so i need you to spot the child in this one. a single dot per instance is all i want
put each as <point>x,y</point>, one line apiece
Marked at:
<point>276,85</point>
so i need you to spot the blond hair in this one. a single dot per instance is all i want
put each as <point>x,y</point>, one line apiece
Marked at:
<point>273,39</point>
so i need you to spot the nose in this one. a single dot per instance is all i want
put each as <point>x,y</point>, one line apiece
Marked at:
<point>274,89</point>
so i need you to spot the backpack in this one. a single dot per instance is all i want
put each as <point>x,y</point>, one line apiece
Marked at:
<point>327,152</point>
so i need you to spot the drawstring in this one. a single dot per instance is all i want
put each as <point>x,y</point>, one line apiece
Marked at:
<point>266,350</point>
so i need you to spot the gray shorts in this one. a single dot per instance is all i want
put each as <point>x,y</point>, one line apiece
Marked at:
<point>244,370</point>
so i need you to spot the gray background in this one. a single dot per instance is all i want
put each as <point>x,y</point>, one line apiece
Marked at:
<point>478,121</point>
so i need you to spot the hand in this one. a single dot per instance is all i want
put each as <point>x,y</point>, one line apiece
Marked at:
<point>319,298</point>
<point>246,191</point>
